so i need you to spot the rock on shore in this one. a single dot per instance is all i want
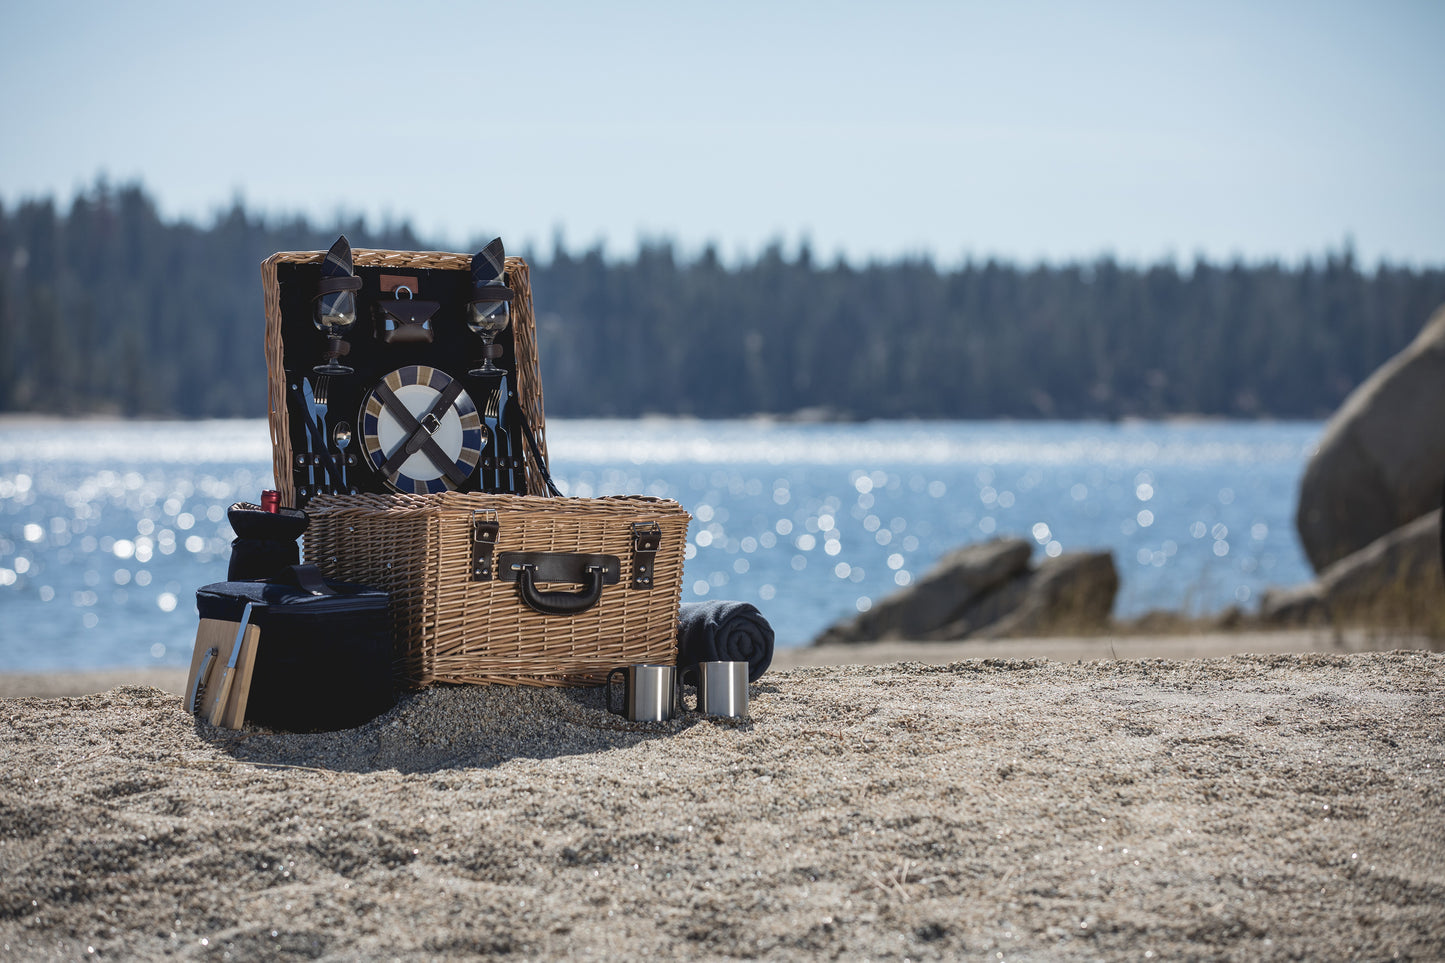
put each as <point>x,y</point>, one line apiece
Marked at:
<point>1381,461</point>
<point>1395,582</point>
<point>990,590</point>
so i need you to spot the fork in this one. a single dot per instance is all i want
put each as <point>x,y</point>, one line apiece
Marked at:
<point>490,413</point>
<point>320,398</point>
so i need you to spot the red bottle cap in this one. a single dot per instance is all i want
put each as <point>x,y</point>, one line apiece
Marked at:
<point>270,501</point>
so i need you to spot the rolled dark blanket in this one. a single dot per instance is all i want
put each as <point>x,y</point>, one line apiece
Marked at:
<point>721,631</point>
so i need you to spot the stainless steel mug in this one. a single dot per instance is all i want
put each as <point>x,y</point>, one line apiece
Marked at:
<point>649,692</point>
<point>722,688</point>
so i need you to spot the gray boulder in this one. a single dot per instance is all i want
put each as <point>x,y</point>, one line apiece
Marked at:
<point>1069,595</point>
<point>942,595</point>
<point>1381,461</point>
<point>1295,607</point>
<point>1394,582</point>
<point>984,610</point>
<point>990,591</point>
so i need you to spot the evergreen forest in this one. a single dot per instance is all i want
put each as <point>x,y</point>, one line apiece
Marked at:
<point>106,307</point>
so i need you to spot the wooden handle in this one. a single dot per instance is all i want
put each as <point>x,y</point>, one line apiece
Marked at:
<point>223,695</point>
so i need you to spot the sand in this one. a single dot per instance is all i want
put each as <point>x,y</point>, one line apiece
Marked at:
<point>1287,806</point>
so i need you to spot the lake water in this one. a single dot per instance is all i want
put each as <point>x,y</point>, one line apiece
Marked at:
<point>108,528</point>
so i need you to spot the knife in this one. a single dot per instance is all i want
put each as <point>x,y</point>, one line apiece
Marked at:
<point>506,480</point>
<point>228,674</point>
<point>310,420</point>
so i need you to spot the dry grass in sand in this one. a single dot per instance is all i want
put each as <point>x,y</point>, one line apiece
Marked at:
<point>1256,807</point>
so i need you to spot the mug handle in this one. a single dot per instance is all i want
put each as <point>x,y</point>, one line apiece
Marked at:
<point>682,684</point>
<point>617,712</point>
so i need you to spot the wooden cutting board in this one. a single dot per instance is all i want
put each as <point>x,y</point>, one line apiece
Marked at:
<point>222,706</point>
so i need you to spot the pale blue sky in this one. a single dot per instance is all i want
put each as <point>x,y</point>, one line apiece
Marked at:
<point>1022,129</point>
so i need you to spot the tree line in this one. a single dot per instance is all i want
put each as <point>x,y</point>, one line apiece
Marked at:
<point>108,307</point>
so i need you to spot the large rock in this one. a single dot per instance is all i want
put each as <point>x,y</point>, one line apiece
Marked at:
<point>1381,462</point>
<point>989,591</point>
<point>941,596</point>
<point>1068,595</point>
<point>1394,582</point>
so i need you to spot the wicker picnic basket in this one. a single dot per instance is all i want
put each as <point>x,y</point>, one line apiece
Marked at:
<point>466,610</point>
<point>293,346</point>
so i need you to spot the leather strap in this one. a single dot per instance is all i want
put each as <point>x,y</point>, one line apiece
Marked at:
<point>332,285</point>
<point>558,566</point>
<point>485,529</point>
<point>482,295</point>
<point>418,434</point>
<point>646,540</point>
<point>309,578</point>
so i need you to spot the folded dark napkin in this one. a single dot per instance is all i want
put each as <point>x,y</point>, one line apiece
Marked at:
<point>488,265</point>
<point>265,542</point>
<point>720,631</point>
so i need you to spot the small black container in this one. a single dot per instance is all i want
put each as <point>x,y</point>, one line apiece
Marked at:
<point>323,661</point>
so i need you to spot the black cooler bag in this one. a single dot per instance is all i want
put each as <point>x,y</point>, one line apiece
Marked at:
<point>324,654</point>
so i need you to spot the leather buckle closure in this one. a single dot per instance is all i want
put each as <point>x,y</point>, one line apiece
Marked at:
<point>573,567</point>
<point>431,423</point>
<point>484,543</point>
<point>646,540</point>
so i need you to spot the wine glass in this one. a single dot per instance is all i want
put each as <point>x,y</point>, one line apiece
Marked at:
<point>487,319</point>
<point>335,314</point>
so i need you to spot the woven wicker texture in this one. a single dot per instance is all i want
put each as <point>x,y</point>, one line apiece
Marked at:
<point>453,629</point>
<point>524,333</point>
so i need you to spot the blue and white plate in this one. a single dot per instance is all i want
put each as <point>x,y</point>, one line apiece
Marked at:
<point>460,434</point>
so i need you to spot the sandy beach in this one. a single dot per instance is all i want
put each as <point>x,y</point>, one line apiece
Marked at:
<point>1267,806</point>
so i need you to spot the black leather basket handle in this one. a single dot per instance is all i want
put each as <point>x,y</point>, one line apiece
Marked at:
<point>592,572</point>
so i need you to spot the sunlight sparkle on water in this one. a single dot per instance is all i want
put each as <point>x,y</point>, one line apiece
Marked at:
<point>1071,478</point>
<point>107,529</point>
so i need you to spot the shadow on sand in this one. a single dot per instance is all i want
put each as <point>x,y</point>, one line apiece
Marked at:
<point>458,727</point>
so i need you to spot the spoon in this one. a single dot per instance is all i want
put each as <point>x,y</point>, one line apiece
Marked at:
<point>342,436</point>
